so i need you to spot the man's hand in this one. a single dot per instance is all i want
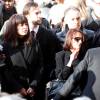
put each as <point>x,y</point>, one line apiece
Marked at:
<point>30,91</point>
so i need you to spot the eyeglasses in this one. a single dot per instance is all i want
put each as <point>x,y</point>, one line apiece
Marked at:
<point>77,39</point>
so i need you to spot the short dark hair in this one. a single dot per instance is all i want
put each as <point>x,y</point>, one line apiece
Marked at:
<point>11,34</point>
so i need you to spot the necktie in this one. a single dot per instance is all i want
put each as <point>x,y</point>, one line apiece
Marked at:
<point>33,34</point>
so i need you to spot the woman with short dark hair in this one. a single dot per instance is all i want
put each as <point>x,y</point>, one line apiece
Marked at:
<point>24,63</point>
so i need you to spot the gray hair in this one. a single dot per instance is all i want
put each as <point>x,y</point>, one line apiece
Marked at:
<point>71,8</point>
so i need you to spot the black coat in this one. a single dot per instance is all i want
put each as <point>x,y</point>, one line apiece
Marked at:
<point>24,67</point>
<point>63,72</point>
<point>62,58</point>
<point>49,44</point>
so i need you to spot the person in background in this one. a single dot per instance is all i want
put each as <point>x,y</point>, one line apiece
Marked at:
<point>56,19</point>
<point>72,20</point>
<point>59,1</point>
<point>7,9</point>
<point>81,5</point>
<point>51,3</point>
<point>93,21</point>
<point>24,61</point>
<point>19,4</point>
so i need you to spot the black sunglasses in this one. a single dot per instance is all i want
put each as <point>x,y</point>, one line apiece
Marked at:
<point>78,39</point>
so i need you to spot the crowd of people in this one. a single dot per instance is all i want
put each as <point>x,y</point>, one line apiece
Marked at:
<point>55,40</point>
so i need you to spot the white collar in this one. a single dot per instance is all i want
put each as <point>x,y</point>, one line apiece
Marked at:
<point>36,29</point>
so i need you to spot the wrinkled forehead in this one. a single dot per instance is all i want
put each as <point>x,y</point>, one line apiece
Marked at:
<point>71,14</point>
<point>35,10</point>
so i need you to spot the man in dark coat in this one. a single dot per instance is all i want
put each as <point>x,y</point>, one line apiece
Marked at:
<point>49,43</point>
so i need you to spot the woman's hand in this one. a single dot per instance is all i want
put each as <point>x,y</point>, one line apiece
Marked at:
<point>30,92</point>
<point>72,57</point>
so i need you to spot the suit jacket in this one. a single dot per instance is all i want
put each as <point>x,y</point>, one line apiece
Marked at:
<point>90,63</point>
<point>62,58</point>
